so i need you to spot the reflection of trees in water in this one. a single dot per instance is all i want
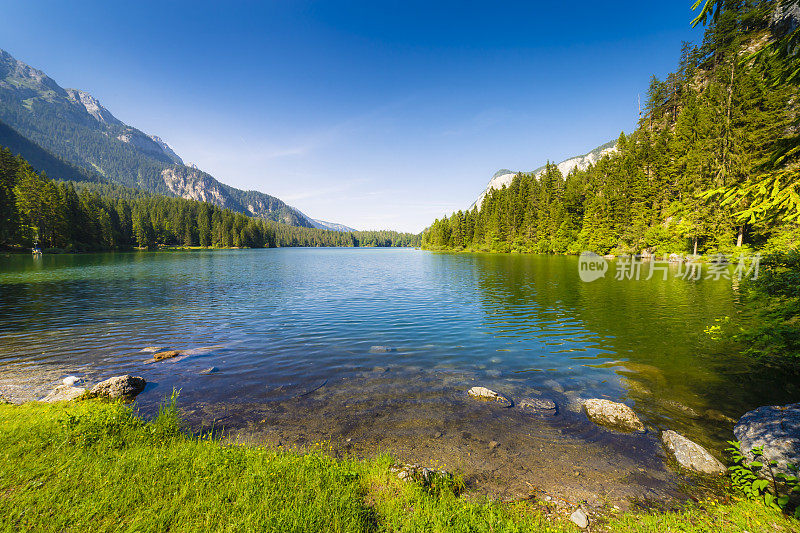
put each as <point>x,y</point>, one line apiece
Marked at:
<point>671,368</point>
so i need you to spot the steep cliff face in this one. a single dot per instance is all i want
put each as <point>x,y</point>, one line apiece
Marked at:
<point>581,162</point>
<point>192,183</point>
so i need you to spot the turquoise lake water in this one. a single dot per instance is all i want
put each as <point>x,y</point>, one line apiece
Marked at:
<point>380,345</point>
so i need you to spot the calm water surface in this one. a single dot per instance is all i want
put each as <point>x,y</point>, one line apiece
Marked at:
<point>294,334</point>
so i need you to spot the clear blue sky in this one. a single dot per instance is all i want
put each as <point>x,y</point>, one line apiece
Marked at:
<point>372,114</point>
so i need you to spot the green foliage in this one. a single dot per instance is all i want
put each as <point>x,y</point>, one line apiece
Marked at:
<point>712,167</point>
<point>103,216</point>
<point>774,297</point>
<point>774,490</point>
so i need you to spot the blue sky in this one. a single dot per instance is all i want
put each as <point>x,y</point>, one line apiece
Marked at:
<point>371,114</point>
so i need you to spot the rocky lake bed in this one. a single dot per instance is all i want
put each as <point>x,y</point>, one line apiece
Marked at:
<point>586,456</point>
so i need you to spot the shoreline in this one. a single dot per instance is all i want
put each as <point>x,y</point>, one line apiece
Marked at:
<point>310,480</point>
<point>505,454</point>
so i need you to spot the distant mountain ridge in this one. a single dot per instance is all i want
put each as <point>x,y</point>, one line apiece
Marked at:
<point>581,162</point>
<point>74,126</point>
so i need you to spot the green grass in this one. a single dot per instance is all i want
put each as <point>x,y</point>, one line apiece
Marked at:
<point>95,466</point>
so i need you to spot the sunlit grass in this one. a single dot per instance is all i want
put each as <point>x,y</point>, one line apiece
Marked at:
<point>94,466</point>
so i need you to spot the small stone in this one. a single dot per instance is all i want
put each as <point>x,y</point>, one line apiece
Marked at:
<point>119,387</point>
<point>612,414</point>
<point>71,381</point>
<point>152,349</point>
<point>538,405</point>
<point>690,454</point>
<point>579,518</point>
<point>488,395</point>
<point>210,370</point>
<point>169,354</point>
<point>493,444</point>
<point>437,435</point>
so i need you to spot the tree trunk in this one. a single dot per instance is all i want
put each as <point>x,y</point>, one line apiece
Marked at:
<point>695,245</point>
<point>740,238</point>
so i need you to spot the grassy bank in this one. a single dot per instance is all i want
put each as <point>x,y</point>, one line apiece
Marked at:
<point>95,466</point>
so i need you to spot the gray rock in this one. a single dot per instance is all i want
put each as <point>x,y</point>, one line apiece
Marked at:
<point>538,405</point>
<point>690,454</point>
<point>71,381</point>
<point>63,393</point>
<point>488,395</point>
<point>777,429</point>
<point>119,387</point>
<point>493,444</point>
<point>579,518</point>
<point>612,415</point>
<point>210,370</point>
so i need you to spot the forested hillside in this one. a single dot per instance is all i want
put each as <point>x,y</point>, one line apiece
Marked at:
<point>101,216</point>
<point>41,159</point>
<point>713,166</point>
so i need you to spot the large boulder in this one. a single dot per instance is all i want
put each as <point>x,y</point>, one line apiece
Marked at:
<point>690,454</point>
<point>488,395</point>
<point>777,429</point>
<point>612,415</point>
<point>119,387</point>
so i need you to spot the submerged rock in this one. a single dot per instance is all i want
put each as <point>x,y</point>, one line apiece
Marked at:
<point>580,518</point>
<point>777,429</point>
<point>690,454</point>
<point>538,405</point>
<point>152,349</point>
<point>119,387</point>
<point>381,349</point>
<point>612,414</point>
<point>678,406</point>
<point>719,416</point>
<point>63,393</point>
<point>210,370</point>
<point>488,395</point>
<point>169,354</point>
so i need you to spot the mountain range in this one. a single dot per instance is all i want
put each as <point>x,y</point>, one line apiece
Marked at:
<point>581,162</point>
<point>68,134</point>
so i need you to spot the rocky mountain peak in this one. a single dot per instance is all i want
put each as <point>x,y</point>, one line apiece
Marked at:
<point>92,106</point>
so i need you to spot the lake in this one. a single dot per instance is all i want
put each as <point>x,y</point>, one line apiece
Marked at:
<point>363,350</point>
